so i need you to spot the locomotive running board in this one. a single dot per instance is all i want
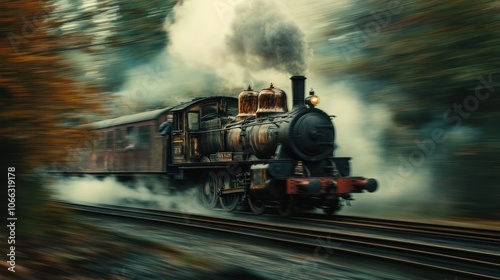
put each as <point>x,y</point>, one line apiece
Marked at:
<point>231,191</point>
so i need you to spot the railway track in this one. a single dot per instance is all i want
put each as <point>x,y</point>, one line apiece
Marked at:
<point>457,262</point>
<point>467,233</point>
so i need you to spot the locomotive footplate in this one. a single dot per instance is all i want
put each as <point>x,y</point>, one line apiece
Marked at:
<point>231,191</point>
<point>328,185</point>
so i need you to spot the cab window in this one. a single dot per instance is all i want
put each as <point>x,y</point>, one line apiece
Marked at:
<point>179,121</point>
<point>209,109</point>
<point>232,108</point>
<point>193,121</point>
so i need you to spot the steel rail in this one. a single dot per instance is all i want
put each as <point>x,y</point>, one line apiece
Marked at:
<point>469,233</point>
<point>474,264</point>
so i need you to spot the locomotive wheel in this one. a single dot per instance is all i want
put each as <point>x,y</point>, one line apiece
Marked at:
<point>208,190</point>
<point>287,206</point>
<point>228,202</point>
<point>257,206</point>
<point>332,207</point>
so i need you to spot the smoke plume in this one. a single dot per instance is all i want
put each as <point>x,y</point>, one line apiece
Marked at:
<point>263,37</point>
<point>240,42</point>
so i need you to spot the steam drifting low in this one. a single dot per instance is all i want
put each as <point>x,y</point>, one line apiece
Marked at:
<point>140,193</point>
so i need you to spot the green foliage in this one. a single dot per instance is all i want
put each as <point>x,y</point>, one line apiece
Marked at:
<point>431,56</point>
<point>109,37</point>
<point>433,49</point>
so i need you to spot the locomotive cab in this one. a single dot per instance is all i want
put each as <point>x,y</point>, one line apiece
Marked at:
<point>197,132</point>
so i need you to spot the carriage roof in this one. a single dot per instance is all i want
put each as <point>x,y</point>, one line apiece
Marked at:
<point>151,115</point>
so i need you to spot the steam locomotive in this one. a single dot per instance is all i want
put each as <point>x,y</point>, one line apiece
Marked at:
<point>248,151</point>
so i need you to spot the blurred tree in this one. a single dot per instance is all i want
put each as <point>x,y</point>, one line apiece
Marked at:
<point>439,62</point>
<point>41,74</point>
<point>40,100</point>
<point>109,37</point>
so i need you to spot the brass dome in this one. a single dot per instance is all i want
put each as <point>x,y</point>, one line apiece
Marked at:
<point>247,103</point>
<point>270,101</point>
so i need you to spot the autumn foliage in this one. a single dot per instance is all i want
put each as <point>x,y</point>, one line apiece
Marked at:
<point>41,102</point>
<point>40,98</point>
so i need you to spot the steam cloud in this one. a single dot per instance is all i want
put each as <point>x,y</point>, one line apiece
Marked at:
<point>360,129</point>
<point>263,37</point>
<point>218,52</point>
<point>143,193</point>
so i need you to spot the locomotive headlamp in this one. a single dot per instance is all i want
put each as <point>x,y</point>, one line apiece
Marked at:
<point>312,100</point>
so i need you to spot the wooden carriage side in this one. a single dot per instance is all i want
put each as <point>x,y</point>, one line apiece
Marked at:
<point>128,144</point>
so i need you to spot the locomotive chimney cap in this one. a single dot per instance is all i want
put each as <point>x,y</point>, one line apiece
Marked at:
<point>298,91</point>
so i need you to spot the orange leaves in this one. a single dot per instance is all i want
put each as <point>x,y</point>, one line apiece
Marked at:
<point>41,99</point>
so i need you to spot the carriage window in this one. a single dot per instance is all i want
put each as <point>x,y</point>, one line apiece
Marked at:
<point>109,140</point>
<point>130,130</point>
<point>118,139</point>
<point>144,136</point>
<point>99,141</point>
<point>130,138</point>
<point>193,122</point>
<point>209,109</point>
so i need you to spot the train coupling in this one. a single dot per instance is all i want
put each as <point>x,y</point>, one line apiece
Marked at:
<point>368,184</point>
<point>318,186</point>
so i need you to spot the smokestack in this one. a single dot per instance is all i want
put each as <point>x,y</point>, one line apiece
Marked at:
<point>298,91</point>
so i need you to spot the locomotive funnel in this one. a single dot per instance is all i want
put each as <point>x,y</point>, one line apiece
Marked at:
<point>298,91</point>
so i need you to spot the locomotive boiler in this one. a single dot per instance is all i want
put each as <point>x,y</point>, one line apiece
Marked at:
<point>247,151</point>
<point>305,133</point>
